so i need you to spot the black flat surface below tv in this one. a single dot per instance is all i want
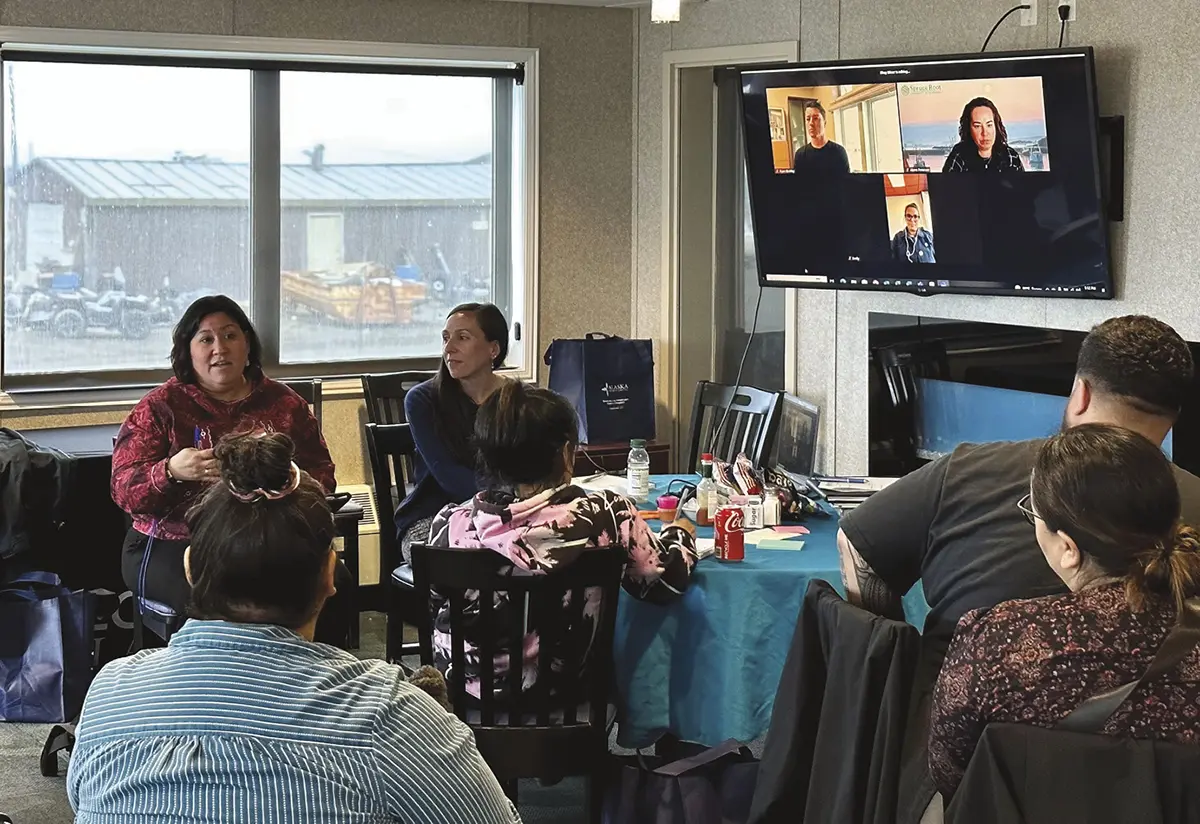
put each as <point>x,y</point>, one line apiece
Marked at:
<point>974,174</point>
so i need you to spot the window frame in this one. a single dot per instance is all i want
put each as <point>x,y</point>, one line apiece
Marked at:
<point>266,58</point>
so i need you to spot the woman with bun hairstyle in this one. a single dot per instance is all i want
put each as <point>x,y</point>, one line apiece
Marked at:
<point>243,716</point>
<point>535,518</point>
<point>1104,505</point>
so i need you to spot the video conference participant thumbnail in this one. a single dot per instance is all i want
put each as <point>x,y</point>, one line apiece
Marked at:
<point>983,142</point>
<point>820,156</point>
<point>913,243</point>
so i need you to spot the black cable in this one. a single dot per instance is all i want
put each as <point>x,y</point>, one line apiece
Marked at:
<point>1004,17</point>
<point>716,433</point>
<point>1062,30</point>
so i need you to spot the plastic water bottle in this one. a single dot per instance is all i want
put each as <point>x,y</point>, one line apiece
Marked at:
<point>638,469</point>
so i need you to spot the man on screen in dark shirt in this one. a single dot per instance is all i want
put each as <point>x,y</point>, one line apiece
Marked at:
<point>820,156</point>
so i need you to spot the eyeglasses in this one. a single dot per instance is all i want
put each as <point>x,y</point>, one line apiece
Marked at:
<point>1026,507</point>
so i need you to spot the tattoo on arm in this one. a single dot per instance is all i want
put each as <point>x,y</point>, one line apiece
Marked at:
<point>864,587</point>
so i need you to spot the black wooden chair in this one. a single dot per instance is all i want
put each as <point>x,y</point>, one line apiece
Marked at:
<point>559,727</point>
<point>753,416</point>
<point>310,391</point>
<point>390,446</point>
<point>384,394</point>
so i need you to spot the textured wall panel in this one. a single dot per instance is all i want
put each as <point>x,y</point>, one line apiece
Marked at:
<point>587,150</point>
<point>207,17</point>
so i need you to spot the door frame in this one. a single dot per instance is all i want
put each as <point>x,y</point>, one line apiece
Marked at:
<point>675,398</point>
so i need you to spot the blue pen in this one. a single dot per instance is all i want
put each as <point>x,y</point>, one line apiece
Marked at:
<point>838,479</point>
<point>196,437</point>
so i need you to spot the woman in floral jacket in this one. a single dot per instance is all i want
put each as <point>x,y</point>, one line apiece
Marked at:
<point>537,519</point>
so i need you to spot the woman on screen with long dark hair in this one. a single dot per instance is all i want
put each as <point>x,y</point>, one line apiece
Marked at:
<point>982,142</point>
<point>441,413</point>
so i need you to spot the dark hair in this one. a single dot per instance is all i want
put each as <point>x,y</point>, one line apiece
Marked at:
<point>813,104</point>
<point>185,330</point>
<point>912,206</point>
<point>259,561</point>
<point>1115,494</point>
<point>520,433</point>
<point>455,420</point>
<point>964,122</point>
<point>1140,361</point>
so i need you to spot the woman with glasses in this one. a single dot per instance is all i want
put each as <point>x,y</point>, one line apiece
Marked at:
<point>1104,506</point>
<point>913,243</point>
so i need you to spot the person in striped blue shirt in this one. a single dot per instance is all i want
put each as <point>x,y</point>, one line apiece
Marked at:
<point>242,718</point>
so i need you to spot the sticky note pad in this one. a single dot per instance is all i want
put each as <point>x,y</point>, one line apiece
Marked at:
<point>780,543</point>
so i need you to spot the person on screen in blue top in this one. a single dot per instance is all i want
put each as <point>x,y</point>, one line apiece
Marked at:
<point>913,243</point>
<point>820,156</point>
<point>982,142</point>
<point>441,413</point>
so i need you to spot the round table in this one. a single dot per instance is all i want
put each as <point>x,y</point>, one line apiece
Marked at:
<point>706,667</point>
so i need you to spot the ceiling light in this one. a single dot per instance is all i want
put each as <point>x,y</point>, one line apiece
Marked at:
<point>664,11</point>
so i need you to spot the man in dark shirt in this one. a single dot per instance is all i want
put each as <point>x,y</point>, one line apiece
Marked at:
<point>820,156</point>
<point>954,524</point>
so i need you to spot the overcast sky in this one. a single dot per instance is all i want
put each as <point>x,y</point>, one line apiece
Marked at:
<point>149,113</point>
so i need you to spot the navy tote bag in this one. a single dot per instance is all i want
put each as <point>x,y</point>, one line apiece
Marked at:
<point>609,381</point>
<point>45,649</point>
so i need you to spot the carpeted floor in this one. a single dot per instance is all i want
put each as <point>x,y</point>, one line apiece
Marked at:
<point>29,798</point>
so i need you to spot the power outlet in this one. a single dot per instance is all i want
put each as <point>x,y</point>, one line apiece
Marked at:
<point>1071,14</point>
<point>1028,17</point>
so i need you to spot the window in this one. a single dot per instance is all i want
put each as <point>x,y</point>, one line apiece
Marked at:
<point>126,196</point>
<point>384,193</point>
<point>411,236</point>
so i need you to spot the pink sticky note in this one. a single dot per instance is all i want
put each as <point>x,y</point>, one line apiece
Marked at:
<point>792,530</point>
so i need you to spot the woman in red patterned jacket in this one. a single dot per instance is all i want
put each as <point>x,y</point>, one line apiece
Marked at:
<point>163,458</point>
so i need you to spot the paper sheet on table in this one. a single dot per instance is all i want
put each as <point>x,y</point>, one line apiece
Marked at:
<point>595,483</point>
<point>705,547</point>
<point>771,533</point>
<point>780,543</point>
<point>860,486</point>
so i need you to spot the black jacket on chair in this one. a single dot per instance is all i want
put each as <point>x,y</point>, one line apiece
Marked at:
<point>833,751</point>
<point>34,483</point>
<point>1030,774</point>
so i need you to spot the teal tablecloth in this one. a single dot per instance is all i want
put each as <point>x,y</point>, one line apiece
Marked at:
<point>706,667</point>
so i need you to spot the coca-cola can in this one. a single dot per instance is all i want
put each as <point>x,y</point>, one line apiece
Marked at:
<point>730,544</point>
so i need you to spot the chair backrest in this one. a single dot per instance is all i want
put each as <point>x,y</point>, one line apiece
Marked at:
<point>527,733</point>
<point>390,447</point>
<point>384,394</point>
<point>753,417</point>
<point>310,391</point>
<point>1016,774</point>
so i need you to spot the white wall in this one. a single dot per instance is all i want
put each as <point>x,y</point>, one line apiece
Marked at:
<point>1148,70</point>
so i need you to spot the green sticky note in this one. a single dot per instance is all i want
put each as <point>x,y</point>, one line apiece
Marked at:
<point>780,543</point>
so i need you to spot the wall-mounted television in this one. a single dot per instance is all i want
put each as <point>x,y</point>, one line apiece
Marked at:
<point>976,174</point>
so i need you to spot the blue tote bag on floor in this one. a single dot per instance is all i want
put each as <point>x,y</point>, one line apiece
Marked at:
<point>609,381</point>
<point>45,649</point>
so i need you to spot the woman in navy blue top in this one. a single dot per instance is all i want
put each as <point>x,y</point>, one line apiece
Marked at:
<point>441,414</point>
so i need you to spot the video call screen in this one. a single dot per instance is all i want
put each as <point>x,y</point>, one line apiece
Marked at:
<point>974,174</point>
